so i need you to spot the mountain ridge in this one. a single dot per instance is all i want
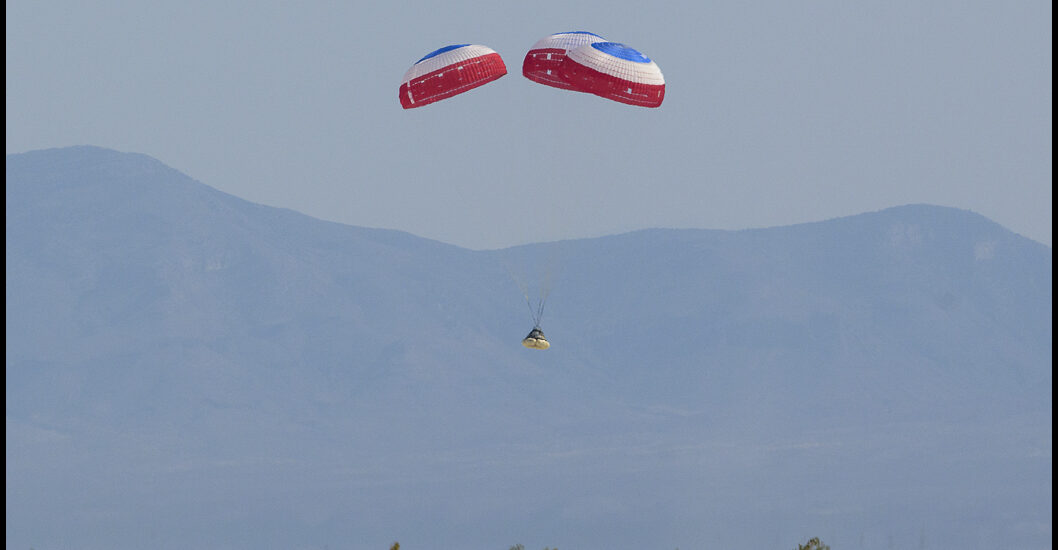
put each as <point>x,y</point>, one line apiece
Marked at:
<point>96,154</point>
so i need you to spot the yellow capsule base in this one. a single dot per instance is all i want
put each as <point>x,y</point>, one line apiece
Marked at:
<point>536,343</point>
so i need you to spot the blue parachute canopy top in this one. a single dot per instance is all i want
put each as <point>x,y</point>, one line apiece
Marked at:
<point>621,51</point>
<point>440,51</point>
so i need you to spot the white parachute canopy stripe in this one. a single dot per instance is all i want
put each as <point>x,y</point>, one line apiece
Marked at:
<point>449,71</point>
<point>542,62</point>
<point>614,71</point>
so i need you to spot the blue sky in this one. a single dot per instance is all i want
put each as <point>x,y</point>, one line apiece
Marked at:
<point>775,112</point>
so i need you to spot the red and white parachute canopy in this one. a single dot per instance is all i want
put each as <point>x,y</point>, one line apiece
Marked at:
<point>614,71</point>
<point>542,62</point>
<point>449,71</point>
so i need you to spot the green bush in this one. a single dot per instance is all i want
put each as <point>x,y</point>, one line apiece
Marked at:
<point>813,544</point>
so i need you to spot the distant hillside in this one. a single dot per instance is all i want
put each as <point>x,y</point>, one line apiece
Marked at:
<point>285,381</point>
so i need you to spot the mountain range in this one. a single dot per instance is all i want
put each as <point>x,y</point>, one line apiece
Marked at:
<point>186,369</point>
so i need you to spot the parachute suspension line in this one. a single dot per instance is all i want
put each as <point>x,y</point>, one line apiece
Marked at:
<point>540,307</point>
<point>536,306</point>
<point>534,313</point>
<point>550,267</point>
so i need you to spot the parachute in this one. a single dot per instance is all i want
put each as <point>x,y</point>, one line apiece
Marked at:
<point>542,63</point>
<point>577,60</point>
<point>449,71</point>
<point>536,339</point>
<point>614,71</point>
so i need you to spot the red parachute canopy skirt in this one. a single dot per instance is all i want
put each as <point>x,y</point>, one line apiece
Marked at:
<point>449,71</point>
<point>541,64</point>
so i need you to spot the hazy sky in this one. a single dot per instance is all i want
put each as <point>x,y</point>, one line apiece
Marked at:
<point>775,112</point>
